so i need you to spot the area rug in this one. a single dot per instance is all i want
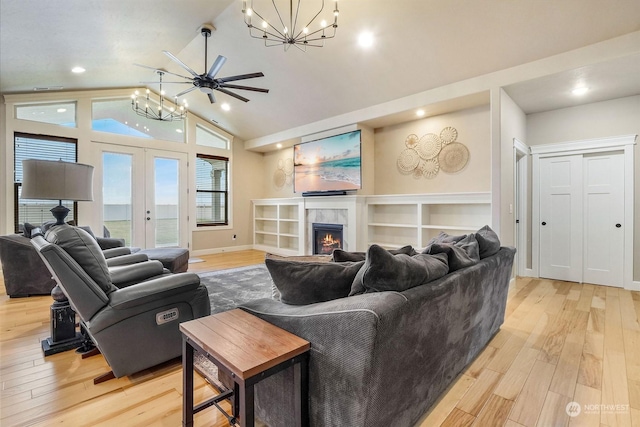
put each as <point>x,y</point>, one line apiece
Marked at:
<point>233,287</point>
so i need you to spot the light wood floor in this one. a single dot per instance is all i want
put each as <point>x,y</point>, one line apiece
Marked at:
<point>560,342</point>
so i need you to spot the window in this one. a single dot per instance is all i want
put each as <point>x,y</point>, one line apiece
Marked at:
<point>209,138</point>
<point>212,196</point>
<point>40,147</point>
<point>61,113</point>
<point>116,116</point>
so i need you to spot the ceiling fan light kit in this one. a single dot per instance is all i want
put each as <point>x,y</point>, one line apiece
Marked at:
<point>298,31</point>
<point>160,112</point>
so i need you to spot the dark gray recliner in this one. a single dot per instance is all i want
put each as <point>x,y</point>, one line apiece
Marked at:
<point>135,326</point>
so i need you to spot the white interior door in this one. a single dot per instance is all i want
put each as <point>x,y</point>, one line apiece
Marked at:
<point>561,218</point>
<point>604,219</point>
<point>144,195</point>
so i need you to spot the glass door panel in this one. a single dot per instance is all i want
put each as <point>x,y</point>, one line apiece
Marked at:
<point>167,202</point>
<point>117,181</point>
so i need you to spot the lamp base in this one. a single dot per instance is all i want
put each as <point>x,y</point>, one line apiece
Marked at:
<point>59,213</point>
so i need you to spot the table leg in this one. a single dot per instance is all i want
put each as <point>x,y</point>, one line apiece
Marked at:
<point>246,405</point>
<point>187,384</point>
<point>301,386</point>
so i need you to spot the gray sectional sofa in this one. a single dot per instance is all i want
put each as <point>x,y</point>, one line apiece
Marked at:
<point>383,358</point>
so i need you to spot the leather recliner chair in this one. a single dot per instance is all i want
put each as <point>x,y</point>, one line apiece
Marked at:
<point>133,321</point>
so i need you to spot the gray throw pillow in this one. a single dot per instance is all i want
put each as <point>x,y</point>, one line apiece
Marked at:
<point>488,242</point>
<point>443,237</point>
<point>462,254</point>
<point>339,255</point>
<point>84,250</point>
<point>383,271</point>
<point>301,283</point>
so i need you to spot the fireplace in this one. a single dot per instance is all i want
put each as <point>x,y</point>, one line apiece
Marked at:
<point>326,238</point>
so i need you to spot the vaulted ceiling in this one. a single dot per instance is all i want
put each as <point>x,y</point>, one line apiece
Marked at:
<point>418,45</point>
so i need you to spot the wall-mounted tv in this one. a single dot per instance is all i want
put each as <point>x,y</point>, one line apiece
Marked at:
<point>328,165</point>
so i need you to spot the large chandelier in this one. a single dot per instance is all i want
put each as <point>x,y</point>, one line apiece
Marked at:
<point>298,31</point>
<point>160,111</point>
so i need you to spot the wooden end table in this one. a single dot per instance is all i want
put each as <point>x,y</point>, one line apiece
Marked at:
<point>248,349</point>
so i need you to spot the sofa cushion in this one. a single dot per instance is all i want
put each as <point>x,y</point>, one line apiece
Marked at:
<point>339,255</point>
<point>462,254</point>
<point>383,271</point>
<point>488,242</point>
<point>84,250</point>
<point>301,283</point>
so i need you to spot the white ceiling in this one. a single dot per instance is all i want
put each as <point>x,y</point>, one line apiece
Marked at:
<point>419,45</point>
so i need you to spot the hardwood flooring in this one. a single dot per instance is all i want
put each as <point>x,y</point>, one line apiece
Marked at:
<point>561,342</point>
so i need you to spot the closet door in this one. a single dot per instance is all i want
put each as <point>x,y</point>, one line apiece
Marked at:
<point>603,219</point>
<point>561,218</point>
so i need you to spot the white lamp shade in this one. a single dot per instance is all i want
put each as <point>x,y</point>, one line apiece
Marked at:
<point>56,180</point>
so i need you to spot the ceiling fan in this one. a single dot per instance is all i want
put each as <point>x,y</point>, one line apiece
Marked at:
<point>208,82</point>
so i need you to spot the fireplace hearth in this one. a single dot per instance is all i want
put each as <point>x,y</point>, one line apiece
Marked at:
<point>326,238</point>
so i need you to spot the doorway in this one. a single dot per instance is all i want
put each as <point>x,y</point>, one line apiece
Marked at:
<point>144,195</point>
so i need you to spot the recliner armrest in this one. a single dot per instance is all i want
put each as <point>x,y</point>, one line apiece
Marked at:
<point>153,290</point>
<point>115,252</point>
<point>126,275</point>
<point>109,242</point>
<point>126,259</point>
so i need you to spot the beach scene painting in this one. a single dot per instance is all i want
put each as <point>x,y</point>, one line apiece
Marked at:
<point>329,164</point>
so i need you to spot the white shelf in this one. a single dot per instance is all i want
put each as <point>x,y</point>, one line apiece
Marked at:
<point>277,226</point>
<point>382,224</point>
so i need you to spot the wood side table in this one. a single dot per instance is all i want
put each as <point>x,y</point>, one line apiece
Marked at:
<point>248,349</point>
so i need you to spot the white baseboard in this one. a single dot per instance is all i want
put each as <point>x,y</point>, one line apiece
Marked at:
<point>635,286</point>
<point>220,250</point>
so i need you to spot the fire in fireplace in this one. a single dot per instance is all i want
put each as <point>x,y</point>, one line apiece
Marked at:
<point>326,238</point>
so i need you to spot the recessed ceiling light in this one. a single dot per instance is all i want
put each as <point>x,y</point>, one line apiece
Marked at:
<point>420,113</point>
<point>278,145</point>
<point>225,107</point>
<point>61,110</point>
<point>78,70</point>
<point>580,90</point>
<point>365,39</point>
<point>179,130</point>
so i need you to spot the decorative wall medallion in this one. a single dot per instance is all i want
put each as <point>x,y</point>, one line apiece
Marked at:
<point>429,146</point>
<point>284,173</point>
<point>453,157</point>
<point>408,160</point>
<point>448,135</point>
<point>426,156</point>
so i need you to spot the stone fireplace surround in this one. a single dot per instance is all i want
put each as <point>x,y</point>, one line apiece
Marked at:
<point>343,210</point>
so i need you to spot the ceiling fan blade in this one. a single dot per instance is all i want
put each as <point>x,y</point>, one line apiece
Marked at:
<point>240,77</point>
<point>241,98</point>
<point>212,98</point>
<point>255,89</point>
<point>146,66</point>
<point>180,63</point>
<point>184,92</point>
<point>163,82</point>
<point>215,67</point>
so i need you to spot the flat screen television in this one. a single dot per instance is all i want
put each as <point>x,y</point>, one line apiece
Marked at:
<point>328,165</point>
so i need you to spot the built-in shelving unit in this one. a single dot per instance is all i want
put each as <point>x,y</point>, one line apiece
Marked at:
<point>398,220</point>
<point>278,226</point>
<point>390,221</point>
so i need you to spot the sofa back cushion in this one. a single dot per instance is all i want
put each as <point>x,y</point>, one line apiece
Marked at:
<point>339,255</point>
<point>301,283</point>
<point>383,271</point>
<point>488,242</point>
<point>462,254</point>
<point>84,250</point>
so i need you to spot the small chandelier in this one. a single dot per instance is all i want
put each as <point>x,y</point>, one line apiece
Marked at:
<point>295,32</point>
<point>161,113</point>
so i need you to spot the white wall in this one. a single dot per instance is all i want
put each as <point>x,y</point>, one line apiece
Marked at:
<point>601,119</point>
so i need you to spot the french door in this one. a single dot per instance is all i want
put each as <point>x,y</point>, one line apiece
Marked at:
<point>144,195</point>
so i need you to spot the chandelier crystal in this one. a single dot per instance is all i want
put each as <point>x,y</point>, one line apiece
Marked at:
<point>300,30</point>
<point>160,111</point>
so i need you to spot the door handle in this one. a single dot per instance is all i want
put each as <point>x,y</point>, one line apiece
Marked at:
<point>544,223</point>
<point>618,225</point>
<point>148,218</point>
